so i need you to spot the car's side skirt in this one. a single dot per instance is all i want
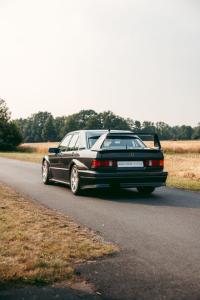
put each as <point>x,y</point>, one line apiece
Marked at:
<point>60,181</point>
<point>56,168</point>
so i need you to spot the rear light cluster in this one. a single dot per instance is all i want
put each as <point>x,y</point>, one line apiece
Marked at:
<point>103,163</point>
<point>154,163</point>
<point>113,163</point>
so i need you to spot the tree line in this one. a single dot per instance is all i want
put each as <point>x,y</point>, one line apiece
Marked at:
<point>43,127</point>
<point>10,135</point>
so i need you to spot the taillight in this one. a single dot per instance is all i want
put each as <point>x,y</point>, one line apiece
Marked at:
<point>162,163</point>
<point>154,163</point>
<point>103,163</point>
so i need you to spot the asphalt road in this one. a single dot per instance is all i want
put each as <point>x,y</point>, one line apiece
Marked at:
<point>159,236</point>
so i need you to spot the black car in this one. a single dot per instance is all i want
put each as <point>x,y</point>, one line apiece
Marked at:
<point>105,158</point>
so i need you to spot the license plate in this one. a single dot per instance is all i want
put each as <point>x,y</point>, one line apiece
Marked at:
<point>130,164</point>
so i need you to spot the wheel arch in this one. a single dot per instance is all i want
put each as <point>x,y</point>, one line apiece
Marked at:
<point>46,158</point>
<point>70,167</point>
<point>78,164</point>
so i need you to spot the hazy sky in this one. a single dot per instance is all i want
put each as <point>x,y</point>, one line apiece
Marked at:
<point>138,58</point>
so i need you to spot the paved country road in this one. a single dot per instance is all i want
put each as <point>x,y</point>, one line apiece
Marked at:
<point>159,236</point>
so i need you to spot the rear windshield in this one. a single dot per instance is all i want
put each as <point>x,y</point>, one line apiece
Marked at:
<point>122,142</point>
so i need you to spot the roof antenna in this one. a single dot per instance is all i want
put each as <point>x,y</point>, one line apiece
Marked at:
<point>109,130</point>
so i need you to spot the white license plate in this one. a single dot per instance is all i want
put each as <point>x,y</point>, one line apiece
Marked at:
<point>130,164</point>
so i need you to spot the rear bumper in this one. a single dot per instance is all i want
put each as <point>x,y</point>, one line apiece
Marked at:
<point>123,179</point>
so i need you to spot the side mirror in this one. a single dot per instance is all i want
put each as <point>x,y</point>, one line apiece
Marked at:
<point>54,150</point>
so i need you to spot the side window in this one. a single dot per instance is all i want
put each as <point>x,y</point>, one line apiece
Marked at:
<point>76,147</point>
<point>73,142</point>
<point>65,142</point>
<point>82,141</point>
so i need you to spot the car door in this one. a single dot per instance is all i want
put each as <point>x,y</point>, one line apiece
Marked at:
<point>67,156</point>
<point>56,161</point>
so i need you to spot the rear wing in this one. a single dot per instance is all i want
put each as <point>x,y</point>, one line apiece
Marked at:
<point>149,137</point>
<point>142,136</point>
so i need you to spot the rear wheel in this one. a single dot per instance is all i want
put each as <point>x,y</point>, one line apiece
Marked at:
<point>45,172</point>
<point>147,190</point>
<point>75,181</point>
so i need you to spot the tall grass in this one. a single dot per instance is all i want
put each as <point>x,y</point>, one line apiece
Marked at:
<point>36,147</point>
<point>168,147</point>
<point>181,146</point>
<point>185,166</point>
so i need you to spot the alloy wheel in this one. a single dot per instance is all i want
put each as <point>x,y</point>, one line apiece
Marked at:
<point>74,179</point>
<point>44,171</point>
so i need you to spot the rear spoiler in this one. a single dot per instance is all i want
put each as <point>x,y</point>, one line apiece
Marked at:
<point>146,137</point>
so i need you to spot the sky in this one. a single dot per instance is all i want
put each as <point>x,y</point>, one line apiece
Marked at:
<point>137,58</point>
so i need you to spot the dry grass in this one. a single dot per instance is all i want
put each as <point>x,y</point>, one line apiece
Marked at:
<point>184,170</point>
<point>37,147</point>
<point>183,165</point>
<point>31,157</point>
<point>181,146</point>
<point>38,245</point>
<point>168,146</point>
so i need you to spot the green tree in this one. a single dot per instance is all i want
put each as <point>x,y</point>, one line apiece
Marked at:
<point>148,127</point>
<point>38,121</point>
<point>49,131</point>
<point>10,136</point>
<point>85,119</point>
<point>25,127</point>
<point>5,114</point>
<point>111,121</point>
<point>196,132</point>
<point>136,126</point>
<point>164,131</point>
<point>32,128</point>
<point>59,123</point>
<point>93,122</point>
<point>185,132</point>
<point>71,124</point>
<point>84,116</point>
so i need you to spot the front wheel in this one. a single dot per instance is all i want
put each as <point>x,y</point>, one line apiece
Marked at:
<point>75,181</point>
<point>147,190</point>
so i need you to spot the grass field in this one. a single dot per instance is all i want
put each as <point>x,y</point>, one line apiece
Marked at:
<point>181,146</point>
<point>38,245</point>
<point>168,146</point>
<point>184,170</point>
<point>182,160</point>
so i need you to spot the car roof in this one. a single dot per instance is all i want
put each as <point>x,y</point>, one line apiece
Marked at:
<point>99,130</point>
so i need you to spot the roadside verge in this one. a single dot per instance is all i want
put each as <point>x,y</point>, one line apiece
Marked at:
<point>41,246</point>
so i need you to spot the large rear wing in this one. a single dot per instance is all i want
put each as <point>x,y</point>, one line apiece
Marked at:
<point>151,137</point>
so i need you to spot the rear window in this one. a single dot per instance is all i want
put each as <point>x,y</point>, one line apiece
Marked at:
<point>122,142</point>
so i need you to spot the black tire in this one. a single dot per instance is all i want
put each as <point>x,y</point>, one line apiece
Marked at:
<point>146,190</point>
<point>46,172</point>
<point>75,184</point>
